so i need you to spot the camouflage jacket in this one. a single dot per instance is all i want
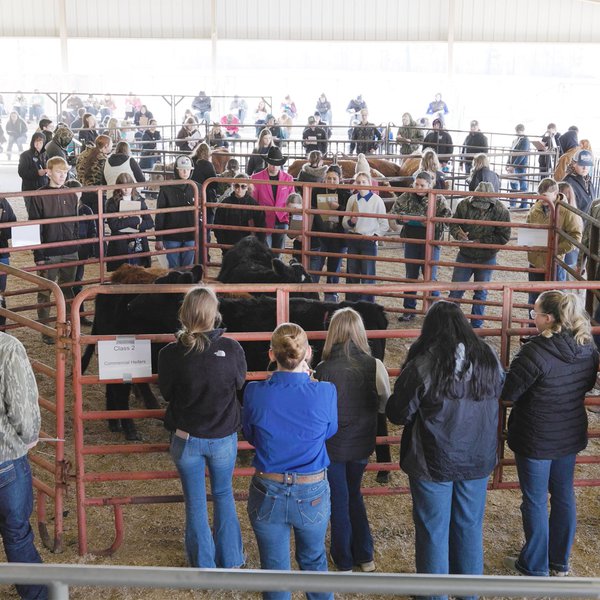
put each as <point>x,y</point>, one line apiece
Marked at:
<point>410,203</point>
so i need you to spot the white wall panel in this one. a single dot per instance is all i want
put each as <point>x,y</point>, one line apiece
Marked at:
<point>572,21</point>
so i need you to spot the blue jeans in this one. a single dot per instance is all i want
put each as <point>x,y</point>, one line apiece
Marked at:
<point>519,184</point>
<point>548,541</point>
<point>275,240</point>
<point>222,547</point>
<point>359,266</point>
<point>275,508</point>
<point>570,259</point>
<point>179,259</point>
<point>448,519</point>
<point>351,541</point>
<point>16,505</point>
<point>334,263</point>
<point>479,275</point>
<point>413,270</point>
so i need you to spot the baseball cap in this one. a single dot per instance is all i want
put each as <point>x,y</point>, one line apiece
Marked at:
<point>584,158</point>
<point>183,162</point>
<point>311,119</point>
<point>474,123</point>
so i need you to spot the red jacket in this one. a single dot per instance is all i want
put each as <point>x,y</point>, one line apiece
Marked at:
<point>263,194</point>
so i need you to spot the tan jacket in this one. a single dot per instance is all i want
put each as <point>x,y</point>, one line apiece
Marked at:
<point>566,220</point>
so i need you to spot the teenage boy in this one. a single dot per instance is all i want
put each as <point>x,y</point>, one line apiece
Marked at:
<point>52,207</point>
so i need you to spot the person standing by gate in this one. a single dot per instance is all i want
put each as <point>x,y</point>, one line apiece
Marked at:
<point>19,430</point>
<point>199,376</point>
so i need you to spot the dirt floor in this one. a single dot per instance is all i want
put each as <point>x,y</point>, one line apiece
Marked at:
<point>154,532</point>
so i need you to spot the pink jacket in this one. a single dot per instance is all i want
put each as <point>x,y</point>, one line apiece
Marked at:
<point>263,194</point>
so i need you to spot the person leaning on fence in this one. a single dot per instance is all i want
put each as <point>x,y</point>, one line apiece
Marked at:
<point>363,201</point>
<point>566,220</point>
<point>52,207</point>
<point>129,224</point>
<point>481,172</point>
<point>287,419</point>
<point>478,209</point>
<point>173,196</point>
<point>199,376</point>
<point>447,399</point>
<point>363,387</point>
<point>579,178</point>
<point>547,427</point>
<point>416,204</point>
<point>19,431</point>
<point>237,217</point>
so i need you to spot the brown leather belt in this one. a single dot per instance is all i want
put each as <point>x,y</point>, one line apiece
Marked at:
<point>291,478</point>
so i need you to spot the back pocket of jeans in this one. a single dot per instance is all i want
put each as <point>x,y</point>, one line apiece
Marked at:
<point>315,509</point>
<point>260,502</point>
<point>8,474</point>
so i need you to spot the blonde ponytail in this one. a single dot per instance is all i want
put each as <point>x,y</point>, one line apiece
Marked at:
<point>569,315</point>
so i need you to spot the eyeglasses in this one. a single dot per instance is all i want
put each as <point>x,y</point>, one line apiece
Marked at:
<point>242,186</point>
<point>534,314</point>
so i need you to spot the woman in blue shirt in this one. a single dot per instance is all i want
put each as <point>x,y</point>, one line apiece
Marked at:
<point>287,419</point>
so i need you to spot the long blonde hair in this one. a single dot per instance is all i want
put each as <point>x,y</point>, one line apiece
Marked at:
<point>429,161</point>
<point>346,328</point>
<point>568,313</point>
<point>198,315</point>
<point>289,345</point>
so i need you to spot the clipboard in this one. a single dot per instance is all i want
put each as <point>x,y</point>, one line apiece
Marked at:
<point>130,206</point>
<point>324,202</point>
<point>296,222</point>
<point>539,146</point>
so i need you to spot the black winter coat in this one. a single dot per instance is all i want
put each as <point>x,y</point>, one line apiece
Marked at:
<point>237,218</point>
<point>440,142</point>
<point>584,190</point>
<point>357,401</point>
<point>547,381</point>
<point>30,162</point>
<point>444,439</point>
<point>7,215</point>
<point>170,197</point>
<point>484,174</point>
<point>330,226</point>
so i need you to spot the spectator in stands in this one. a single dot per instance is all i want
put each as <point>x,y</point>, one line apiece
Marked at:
<point>216,138</point>
<point>123,225</point>
<point>440,141</point>
<point>285,123</point>
<point>88,135</point>
<point>274,195</point>
<point>74,103</point>
<point>202,105</point>
<point>314,138</point>
<point>188,136</point>
<point>36,106</point>
<point>199,376</point>
<point>324,109</point>
<point>239,108</point>
<point>409,135</point>
<point>566,220</point>
<point>430,162</point>
<point>46,126</point>
<point>86,230</point>
<point>231,124</point>
<point>478,209</point>
<point>92,105</point>
<point>175,196</point>
<point>77,122</point>
<point>19,431</point>
<point>7,215</point>
<point>364,201</point>
<point>336,200</point>
<point>51,207</point>
<point>276,131</point>
<point>416,204</point>
<point>113,131</point>
<point>260,116</point>
<point>142,117</point>
<point>59,144</point>
<point>20,105</point>
<point>132,105</point>
<point>90,169</point>
<point>314,170</point>
<point>578,176</point>
<point>356,105</point>
<point>447,399</point>
<point>2,138</point>
<point>547,382</point>
<point>263,145</point>
<point>550,141</point>
<point>121,162</point>
<point>288,107</point>
<point>476,142</point>
<point>363,387</point>
<point>150,139</point>
<point>108,107</point>
<point>237,217</point>
<point>287,419</point>
<point>32,164</point>
<point>365,135</point>
<point>16,129</point>
<point>517,165</point>
<point>438,108</point>
<point>568,144</point>
<point>481,172</point>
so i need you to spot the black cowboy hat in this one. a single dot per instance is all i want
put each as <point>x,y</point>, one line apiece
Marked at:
<point>274,157</point>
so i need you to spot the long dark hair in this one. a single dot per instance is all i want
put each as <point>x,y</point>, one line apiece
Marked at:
<point>444,328</point>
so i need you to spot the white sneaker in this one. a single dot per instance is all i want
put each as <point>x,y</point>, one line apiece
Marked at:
<point>555,573</point>
<point>367,567</point>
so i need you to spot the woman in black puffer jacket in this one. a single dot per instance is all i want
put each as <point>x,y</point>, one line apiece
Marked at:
<point>547,427</point>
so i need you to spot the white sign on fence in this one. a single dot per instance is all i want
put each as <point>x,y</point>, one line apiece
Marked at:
<point>124,358</point>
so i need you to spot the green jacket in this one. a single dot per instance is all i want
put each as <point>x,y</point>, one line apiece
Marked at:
<point>481,209</point>
<point>410,203</point>
<point>413,133</point>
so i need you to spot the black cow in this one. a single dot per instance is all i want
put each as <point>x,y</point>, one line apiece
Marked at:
<point>251,261</point>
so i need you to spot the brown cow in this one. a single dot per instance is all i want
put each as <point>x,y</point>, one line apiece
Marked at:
<point>380,167</point>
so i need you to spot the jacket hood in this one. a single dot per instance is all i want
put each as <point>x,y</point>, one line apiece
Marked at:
<point>482,203</point>
<point>316,172</point>
<point>568,140</point>
<point>116,160</point>
<point>63,136</point>
<point>563,346</point>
